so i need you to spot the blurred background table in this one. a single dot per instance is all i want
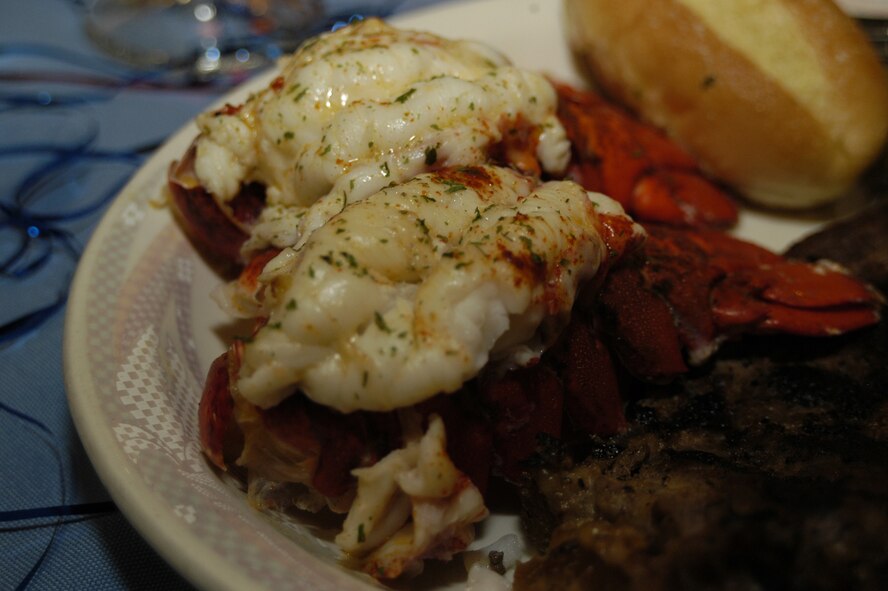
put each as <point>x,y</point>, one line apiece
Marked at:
<point>73,125</point>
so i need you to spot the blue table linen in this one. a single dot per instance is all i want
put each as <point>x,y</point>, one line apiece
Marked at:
<point>43,464</point>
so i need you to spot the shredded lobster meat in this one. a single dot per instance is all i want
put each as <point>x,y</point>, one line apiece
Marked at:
<point>410,505</point>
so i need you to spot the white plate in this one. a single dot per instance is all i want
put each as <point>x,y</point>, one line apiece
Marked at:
<point>865,8</point>
<point>141,332</point>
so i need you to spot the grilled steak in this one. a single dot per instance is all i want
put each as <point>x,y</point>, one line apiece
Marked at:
<point>767,469</point>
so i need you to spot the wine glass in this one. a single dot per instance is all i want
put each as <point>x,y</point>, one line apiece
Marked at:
<point>212,37</point>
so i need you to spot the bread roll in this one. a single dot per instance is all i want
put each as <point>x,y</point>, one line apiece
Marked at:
<point>783,99</point>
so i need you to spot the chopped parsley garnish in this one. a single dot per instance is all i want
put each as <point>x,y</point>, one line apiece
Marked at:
<point>453,186</point>
<point>380,322</point>
<point>403,98</point>
<point>536,258</point>
<point>352,262</point>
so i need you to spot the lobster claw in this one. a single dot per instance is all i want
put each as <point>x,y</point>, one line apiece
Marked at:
<point>651,177</point>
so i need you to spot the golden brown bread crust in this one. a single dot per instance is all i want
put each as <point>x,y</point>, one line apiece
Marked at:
<point>779,145</point>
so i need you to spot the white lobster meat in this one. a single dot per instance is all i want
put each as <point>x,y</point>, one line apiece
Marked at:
<point>412,504</point>
<point>410,292</point>
<point>359,108</point>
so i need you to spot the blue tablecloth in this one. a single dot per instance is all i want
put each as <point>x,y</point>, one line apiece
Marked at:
<point>44,470</point>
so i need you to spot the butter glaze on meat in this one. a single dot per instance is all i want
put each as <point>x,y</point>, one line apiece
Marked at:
<point>365,106</point>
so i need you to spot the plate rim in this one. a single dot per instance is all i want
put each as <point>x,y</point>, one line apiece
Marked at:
<point>138,503</point>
